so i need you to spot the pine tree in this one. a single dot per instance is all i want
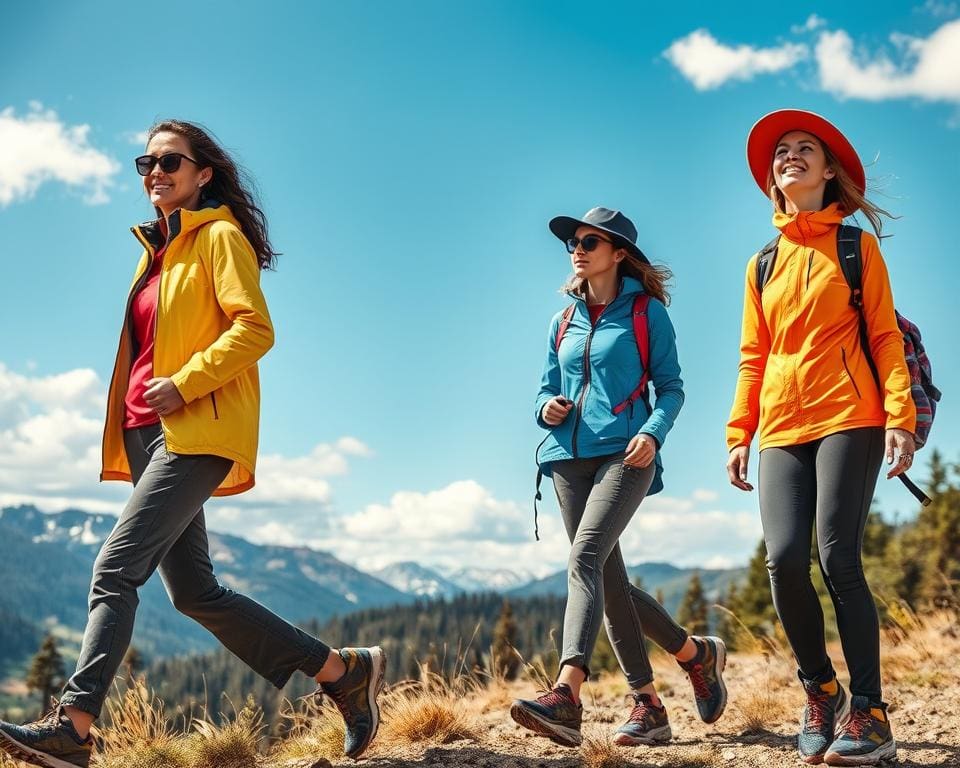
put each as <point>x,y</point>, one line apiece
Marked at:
<point>46,673</point>
<point>693,609</point>
<point>504,641</point>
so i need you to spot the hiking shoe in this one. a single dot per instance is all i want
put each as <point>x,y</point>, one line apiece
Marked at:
<point>705,671</point>
<point>355,695</point>
<point>865,738</point>
<point>554,714</point>
<point>51,742</point>
<point>825,712</point>
<point>647,723</point>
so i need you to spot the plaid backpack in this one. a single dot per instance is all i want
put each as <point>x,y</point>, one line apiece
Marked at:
<point>925,394</point>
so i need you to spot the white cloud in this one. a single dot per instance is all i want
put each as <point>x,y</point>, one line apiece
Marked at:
<point>928,67</point>
<point>941,10</point>
<point>703,494</point>
<point>812,23</point>
<point>38,148</point>
<point>137,138</point>
<point>708,63</point>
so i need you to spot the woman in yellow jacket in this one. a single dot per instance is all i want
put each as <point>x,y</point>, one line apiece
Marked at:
<point>824,420</point>
<point>182,421</point>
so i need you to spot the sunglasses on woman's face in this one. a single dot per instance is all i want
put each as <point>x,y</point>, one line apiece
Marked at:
<point>589,243</point>
<point>169,163</point>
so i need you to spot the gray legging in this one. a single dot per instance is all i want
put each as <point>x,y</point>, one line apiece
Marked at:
<point>829,482</point>
<point>163,527</point>
<point>598,497</point>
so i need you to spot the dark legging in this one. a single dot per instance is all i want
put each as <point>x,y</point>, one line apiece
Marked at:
<point>829,482</point>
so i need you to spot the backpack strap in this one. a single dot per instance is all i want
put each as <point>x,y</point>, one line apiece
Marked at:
<point>851,264</point>
<point>765,261</point>
<point>565,319</point>
<point>641,333</point>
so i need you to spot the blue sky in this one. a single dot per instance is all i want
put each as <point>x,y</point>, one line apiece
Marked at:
<point>409,157</point>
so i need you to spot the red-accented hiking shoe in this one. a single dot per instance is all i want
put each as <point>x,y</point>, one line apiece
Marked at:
<point>554,714</point>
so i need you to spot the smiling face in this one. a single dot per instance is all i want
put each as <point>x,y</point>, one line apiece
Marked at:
<point>180,189</point>
<point>800,165</point>
<point>602,259</point>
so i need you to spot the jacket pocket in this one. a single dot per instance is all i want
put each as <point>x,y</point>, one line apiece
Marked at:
<point>843,355</point>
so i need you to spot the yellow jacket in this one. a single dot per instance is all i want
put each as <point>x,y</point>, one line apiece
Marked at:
<point>803,374</point>
<point>212,327</point>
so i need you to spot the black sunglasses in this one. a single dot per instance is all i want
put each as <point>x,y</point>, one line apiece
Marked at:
<point>589,242</point>
<point>169,163</point>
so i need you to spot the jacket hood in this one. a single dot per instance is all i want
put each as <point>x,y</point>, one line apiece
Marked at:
<point>183,220</point>
<point>628,287</point>
<point>806,224</point>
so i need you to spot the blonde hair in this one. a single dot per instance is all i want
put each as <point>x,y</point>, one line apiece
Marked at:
<point>841,189</point>
<point>654,278</point>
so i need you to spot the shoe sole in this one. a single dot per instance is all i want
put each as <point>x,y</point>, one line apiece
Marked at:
<point>721,651</point>
<point>881,754</point>
<point>29,755</point>
<point>559,734</point>
<point>659,735</point>
<point>378,666</point>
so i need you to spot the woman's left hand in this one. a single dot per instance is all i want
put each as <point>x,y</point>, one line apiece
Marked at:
<point>899,442</point>
<point>163,396</point>
<point>640,451</point>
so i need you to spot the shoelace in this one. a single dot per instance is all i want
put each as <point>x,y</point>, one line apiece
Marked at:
<point>859,720</point>
<point>339,697</point>
<point>700,688</point>
<point>818,707</point>
<point>554,697</point>
<point>642,707</point>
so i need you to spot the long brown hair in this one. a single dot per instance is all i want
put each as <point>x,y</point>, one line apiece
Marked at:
<point>230,184</point>
<point>840,189</point>
<point>654,278</point>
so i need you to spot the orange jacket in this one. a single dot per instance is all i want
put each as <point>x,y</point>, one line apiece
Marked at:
<point>803,374</point>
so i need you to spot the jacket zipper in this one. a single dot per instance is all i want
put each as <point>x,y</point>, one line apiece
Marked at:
<point>809,267</point>
<point>213,399</point>
<point>843,355</point>
<point>138,284</point>
<point>586,378</point>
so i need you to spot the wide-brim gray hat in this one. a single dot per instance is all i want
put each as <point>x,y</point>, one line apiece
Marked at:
<point>614,223</point>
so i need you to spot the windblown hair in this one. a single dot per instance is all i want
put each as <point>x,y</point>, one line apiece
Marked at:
<point>840,189</point>
<point>230,185</point>
<point>653,276</point>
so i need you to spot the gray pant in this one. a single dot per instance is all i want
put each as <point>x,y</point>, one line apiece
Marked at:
<point>828,482</point>
<point>163,527</point>
<point>598,497</point>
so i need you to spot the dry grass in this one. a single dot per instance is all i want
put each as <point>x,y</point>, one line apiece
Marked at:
<point>601,753</point>
<point>315,730</point>
<point>431,711</point>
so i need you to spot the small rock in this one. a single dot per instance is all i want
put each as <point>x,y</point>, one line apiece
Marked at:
<point>728,755</point>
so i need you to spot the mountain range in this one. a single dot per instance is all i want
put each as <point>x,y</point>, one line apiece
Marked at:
<point>46,561</point>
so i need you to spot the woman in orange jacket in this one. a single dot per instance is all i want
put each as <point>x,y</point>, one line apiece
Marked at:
<point>825,420</point>
<point>182,423</point>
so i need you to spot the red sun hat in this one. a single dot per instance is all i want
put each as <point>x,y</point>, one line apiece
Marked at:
<point>769,129</point>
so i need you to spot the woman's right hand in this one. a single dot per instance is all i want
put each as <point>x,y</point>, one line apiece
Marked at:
<point>737,467</point>
<point>556,410</point>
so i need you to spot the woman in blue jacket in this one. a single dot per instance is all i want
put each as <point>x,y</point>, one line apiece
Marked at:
<point>603,453</point>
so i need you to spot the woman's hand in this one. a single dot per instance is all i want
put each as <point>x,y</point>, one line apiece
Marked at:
<point>640,451</point>
<point>556,410</point>
<point>899,442</point>
<point>737,467</point>
<point>163,396</point>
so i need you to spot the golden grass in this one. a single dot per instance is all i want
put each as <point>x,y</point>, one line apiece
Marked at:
<point>315,729</point>
<point>601,753</point>
<point>430,711</point>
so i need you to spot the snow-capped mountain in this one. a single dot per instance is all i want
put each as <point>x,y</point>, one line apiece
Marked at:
<point>476,579</point>
<point>415,579</point>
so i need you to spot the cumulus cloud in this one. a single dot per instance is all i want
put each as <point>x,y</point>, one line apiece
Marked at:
<point>941,10</point>
<point>50,432</point>
<point>927,69</point>
<point>708,63</point>
<point>465,524</point>
<point>38,147</point>
<point>922,67</point>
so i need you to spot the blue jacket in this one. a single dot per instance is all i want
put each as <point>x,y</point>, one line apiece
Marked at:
<point>598,385</point>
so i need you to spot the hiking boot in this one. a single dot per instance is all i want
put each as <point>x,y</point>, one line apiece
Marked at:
<point>554,714</point>
<point>647,723</point>
<point>355,695</point>
<point>51,742</point>
<point>865,738</point>
<point>705,671</point>
<point>826,710</point>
